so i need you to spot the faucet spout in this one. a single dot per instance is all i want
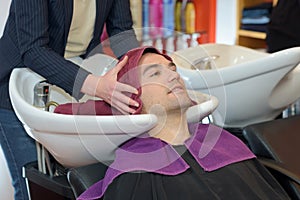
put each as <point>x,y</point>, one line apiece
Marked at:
<point>205,62</point>
<point>49,104</point>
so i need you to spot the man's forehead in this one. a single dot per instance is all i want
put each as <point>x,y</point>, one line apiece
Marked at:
<point>153,58</point>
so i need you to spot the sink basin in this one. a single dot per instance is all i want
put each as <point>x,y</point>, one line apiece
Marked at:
<point>72,140</point>
<point>251,86</point>
<point>81,140</point>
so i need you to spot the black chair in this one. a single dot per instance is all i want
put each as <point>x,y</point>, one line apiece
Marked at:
<point>81,178</point>
<point>277,145</point>
<point>46,187</point>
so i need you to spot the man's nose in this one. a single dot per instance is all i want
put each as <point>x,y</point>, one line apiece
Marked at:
<point>174,75</point>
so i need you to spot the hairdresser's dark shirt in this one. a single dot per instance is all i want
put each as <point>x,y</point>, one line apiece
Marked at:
<point>36,33</point>
<point>284,28</point>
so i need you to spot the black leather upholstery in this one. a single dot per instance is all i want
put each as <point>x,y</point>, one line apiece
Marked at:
<point>43,186</point>
<point>278,140</point>
<point>82,178</point>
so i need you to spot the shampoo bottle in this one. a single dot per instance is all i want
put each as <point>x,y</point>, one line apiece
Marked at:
<point>137,16</point>
<point>177,13</point>
<point>182,16</point>
<point>146,23</point>
<point>155,17</point>
<point>190,17</point>
<point>168,17</point>
<point>136,12</point>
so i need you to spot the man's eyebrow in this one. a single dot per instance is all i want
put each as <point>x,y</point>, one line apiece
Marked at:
<point>150,67</point>
<point>171,64</point>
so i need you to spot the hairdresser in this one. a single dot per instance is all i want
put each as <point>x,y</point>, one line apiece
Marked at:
<point>283,31</point>
<point>43,36</point>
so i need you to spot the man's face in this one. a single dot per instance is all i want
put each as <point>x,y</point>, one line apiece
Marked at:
<point>162,87</point>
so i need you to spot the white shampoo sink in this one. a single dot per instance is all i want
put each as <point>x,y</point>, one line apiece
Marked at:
<point>251,86</point>
<point>81,140</point>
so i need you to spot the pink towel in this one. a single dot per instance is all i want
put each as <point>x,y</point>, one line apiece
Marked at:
<point>128,75</point>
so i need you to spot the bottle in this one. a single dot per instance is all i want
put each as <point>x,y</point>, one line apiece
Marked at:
<point>182,16</point>
<point>190,17</point>
<point>137,16</point>
<point>136,12</point>
<point>206,20</point>
<point>146,23</point>
<point>177,14</point>
<point>168,17</point>
<point>155,18</point>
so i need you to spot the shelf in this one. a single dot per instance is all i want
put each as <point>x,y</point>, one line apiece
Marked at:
<point>252,34</point>
<point>251,39</point>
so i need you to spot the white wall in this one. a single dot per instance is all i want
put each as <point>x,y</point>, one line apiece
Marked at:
<point>226,21</point>
<point>4,7</point>
<point>6,189</point>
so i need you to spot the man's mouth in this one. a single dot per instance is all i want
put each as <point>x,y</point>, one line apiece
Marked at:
<point>176,89</point>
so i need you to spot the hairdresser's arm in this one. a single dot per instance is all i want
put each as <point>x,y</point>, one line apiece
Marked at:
<point>119,24</point>
<point>110,90</point>
<point>32,28</point>
<point>32,18</point>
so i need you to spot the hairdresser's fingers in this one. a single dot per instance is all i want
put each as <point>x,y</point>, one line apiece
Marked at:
<point>122,102</point>
<point>124,108</point>
<point>115,70</point>
<point>118,97</point>
<point>121,87</point>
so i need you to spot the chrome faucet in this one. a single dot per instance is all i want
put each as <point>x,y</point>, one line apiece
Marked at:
<point>41,94</point>
<point>205,62</point>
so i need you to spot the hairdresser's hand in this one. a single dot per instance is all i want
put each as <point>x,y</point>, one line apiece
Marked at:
<point>110,90</point>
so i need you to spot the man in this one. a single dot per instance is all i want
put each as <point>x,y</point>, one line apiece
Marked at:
<point>175,160</point>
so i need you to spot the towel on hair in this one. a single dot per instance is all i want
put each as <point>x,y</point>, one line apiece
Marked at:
<point>127,75</point>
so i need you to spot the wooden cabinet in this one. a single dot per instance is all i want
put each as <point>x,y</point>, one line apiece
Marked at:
<point>252,39</point>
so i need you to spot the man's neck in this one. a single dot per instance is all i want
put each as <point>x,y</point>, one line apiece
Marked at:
<point>172,128</point>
